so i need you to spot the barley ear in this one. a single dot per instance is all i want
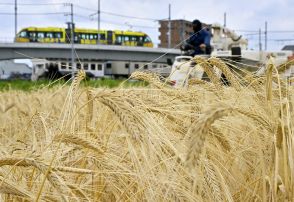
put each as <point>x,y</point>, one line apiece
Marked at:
<point>198,132</point>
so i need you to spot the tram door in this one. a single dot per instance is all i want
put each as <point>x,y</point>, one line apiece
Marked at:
<point>109,37</point>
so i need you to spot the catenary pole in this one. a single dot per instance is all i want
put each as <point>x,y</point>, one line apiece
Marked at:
<point>98,36</point>
<point>265,36</point>
<point>72,41</point>
<point>15,18</point>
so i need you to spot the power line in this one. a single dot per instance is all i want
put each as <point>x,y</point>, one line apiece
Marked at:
<point>269,31</point>
<point>121,24</point>
<point>54,13</point>
<point>128,16</point>
<point>281,40</point>
<point>281,31</point>
<point>82,16</point>
<point>85,8</point>
<point>115,14</point>
<point>242,30</point>
<point>30,4</point>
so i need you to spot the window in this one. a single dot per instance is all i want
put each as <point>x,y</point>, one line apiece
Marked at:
<point>32,34</point>
<point>147,39</point>
<point>126,38</point>
<point>23,34</point>
<point>86,66</point>
<point>118,39</point>
<point>127,65</point>
<point>93,66</point>
<point>100,67</point>
<point>58,35</point>
<point>49,35</point>
<point>154,66</point>
<point>69,65</point>
<point>133,38</point>
<point>136,66</point>
<point>40,35</point>
<point>108,65</point>
<point>140,39</point>
<point>145,66</point>
<point>78,65</point>
<point>63,65</point>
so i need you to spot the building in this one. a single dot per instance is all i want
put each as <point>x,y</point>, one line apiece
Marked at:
<point>10,69</point>
<point>180,30</point>
<point>289,48</point>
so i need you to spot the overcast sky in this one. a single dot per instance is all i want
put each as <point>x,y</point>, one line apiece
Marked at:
<point>249,15</point>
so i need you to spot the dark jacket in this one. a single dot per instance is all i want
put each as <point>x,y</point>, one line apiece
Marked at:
<point>202,37</point>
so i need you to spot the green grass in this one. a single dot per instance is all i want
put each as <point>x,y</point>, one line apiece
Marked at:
<point>26,85</point>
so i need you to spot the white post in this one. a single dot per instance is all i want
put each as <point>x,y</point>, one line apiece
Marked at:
<point>15,18</point>
<point>73,66</point>
<point>169,26</point>
<point>98,36</point>
<point>265,36</point>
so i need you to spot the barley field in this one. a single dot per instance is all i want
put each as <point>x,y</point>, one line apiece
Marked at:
<point>204,142</point>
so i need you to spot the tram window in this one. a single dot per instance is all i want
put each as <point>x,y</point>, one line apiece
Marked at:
<point>57,35</point>
<point>126,38</point>
<point>49,35</point>
<point>100,67</point>
<point>86,66</point>
<point>23,34</point>
<point>136,66</point>
<point>83,36</point>
<point>140,39</point>
<point>91,37</point>
<point>147,39</point>
<point>118,39</point>
<point>95,36</point>
<point>40,35</point>
<point>127,65</point>
<point>93,66</point>
<point>133,38</point>
<point>32,34</point>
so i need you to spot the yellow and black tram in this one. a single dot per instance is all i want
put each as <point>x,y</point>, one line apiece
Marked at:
<point>83,36</point>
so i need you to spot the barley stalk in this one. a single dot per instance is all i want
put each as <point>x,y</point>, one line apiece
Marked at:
<point>226,71</point>
<point>199,131</point>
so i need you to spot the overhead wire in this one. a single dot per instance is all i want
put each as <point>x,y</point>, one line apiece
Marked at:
<point>53,13</point>
<point>115,14</point>
<point>31,4</point>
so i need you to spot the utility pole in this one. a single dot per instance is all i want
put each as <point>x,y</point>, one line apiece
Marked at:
<point>98,35</point>
<point>265,36</point>
<point>15,18</point>
<point>73,65</point>
<point>225,19</point>
<point>259,40</point>
<point>259,44</point>
<point>169,26</point>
